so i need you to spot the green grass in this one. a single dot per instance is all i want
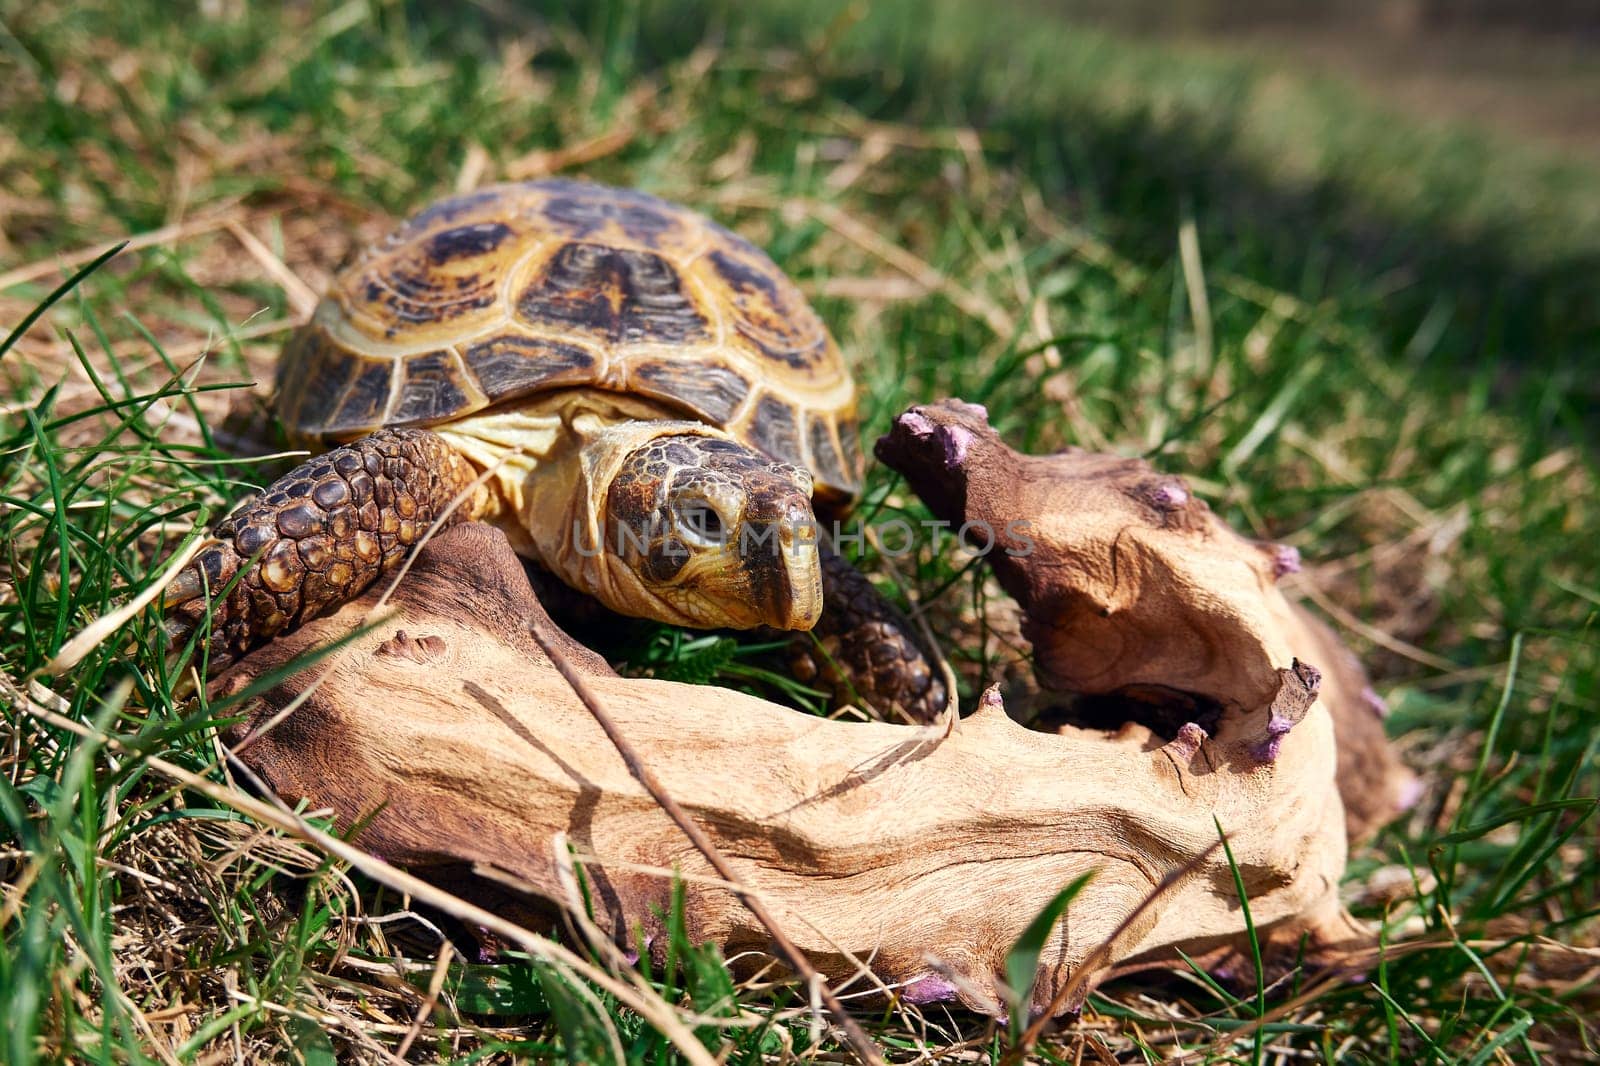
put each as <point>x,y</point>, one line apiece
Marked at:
<point>1369,339</point>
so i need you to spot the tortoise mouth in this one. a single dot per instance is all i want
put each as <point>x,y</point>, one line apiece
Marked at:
<point>778,553</point>
<point>793,602</point>
<point>797,601</point>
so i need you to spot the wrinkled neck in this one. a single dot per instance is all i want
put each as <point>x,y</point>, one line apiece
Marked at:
<point>565,511</point>
<point>552,460</point>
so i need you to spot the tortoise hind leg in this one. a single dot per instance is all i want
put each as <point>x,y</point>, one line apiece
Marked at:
<point>319,536</point>
<point>864,651</point>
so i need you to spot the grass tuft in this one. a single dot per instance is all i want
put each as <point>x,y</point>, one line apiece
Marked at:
<point>1357,336</point>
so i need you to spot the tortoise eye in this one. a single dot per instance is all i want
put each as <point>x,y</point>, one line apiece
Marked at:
<point>699,524</point>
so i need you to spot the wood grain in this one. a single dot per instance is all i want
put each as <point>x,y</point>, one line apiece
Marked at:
<point>450,739</point>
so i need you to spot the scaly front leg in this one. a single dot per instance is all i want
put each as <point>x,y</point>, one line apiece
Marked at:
<point>319,536</point>
<point>864,651</point>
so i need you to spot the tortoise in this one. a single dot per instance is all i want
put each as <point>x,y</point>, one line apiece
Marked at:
<point>639,397</point>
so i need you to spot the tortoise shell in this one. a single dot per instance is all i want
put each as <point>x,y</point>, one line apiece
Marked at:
<point>520,289</point>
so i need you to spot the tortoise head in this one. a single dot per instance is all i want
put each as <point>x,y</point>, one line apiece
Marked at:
<point>715,534</point>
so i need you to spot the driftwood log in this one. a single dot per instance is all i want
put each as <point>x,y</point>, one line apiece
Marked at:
<point>448,739</point>
<point>1135,593</point>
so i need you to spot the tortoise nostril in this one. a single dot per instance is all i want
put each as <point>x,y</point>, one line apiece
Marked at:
<point>792,515</point>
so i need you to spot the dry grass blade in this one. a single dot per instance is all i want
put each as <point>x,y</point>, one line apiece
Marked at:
<point>176,232</point>
<point>859,233</point>
<point>569,856</point>
<point>575,912</point>
<point>634,122</point>
<point>441,967</point>
<point>93,634</point>
<point>474,168</point>
<point>1194,281</point>
<point>543,163</point>
<point>863,1046</point>
<point>302,298</point>
<point>918,270</point>
<point>1374,634</point>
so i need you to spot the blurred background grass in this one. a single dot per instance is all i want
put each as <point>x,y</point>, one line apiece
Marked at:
<point>1361,315</point>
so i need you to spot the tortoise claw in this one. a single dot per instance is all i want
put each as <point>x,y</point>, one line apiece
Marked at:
<point>183,588</point>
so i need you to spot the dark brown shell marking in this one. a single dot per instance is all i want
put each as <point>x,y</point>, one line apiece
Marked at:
<point>519,289</point>
<point>417,288</point>
<point>771,312</point>
<point>513,364</point>
<point>713,391</point>
<point>433,388</point>
<point>574,210</point>
<point>366,399</point>
<point>773,429</point>
<point>312,377</point>
<point>826,461</point>
<point>623,295</point>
